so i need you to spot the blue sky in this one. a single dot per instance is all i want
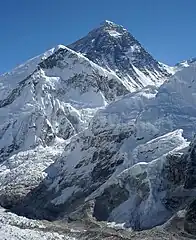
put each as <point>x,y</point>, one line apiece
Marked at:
<point>166,28</point>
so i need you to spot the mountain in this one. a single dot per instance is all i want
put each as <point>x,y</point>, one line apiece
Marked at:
<point>114,48</point>
<point>133,165</point>
<point>42,104</point>
<point>97,131</point>
<point>49,99</point>
<point>55,100</point>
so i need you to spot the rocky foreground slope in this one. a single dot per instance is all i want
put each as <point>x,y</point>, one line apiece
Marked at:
<point>15,227</point>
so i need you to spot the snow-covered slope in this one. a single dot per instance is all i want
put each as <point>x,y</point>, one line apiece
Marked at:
<point>53,96</point>
<point>179,66</point>
<point>43,103</point>
<point>13,227</point>
<point>10,80</point>
<point>183,64</point>
<point>114,48</point>
<point>95,126</point>
<point>129,161</point>
<point>23,171</point>
<point>172,107</point>
<point>56,100</point>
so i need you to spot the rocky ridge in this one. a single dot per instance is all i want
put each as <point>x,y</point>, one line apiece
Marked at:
<point>114,48</point>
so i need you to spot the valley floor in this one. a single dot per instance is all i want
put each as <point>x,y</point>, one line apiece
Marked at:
<point>13,227</point>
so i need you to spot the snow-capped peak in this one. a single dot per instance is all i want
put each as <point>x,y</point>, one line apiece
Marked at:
<point>107,22</point>
<point>25,69</point>
<point>111,28</point>
<point>111,46</point>
<point>106,25</point>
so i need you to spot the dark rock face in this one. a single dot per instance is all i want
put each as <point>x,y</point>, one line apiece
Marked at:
<point>190,181</point>
<point>110,199</point>
<point>190,184</point>
<point>190,219</point>
<point>173,176</point>
<point>114,48</point>
<point>110,87</point>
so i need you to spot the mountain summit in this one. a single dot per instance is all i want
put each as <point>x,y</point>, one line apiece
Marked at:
<point>108,25</point>
<point>114,48</point>
<point>87,133</point>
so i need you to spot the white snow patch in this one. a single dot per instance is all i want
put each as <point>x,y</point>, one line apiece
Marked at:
<point>114,33</point>
<point>65,195</point>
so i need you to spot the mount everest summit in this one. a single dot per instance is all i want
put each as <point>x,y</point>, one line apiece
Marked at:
<point>99,131</point>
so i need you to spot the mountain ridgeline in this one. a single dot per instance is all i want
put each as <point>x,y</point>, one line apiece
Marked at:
<point>98,131</point>
<point>114,48</point>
